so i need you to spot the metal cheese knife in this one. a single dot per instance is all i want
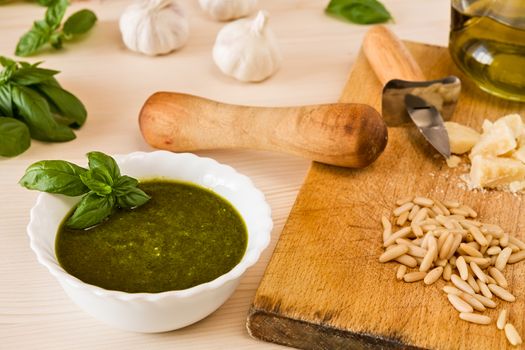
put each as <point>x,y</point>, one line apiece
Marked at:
<point>407,95</point>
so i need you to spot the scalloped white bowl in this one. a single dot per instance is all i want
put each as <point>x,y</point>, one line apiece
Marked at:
<point>158,312</point>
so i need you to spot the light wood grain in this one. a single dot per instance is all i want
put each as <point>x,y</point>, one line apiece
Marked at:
<point>388,57</point>
<point>324,287</point>
<point>114,83</point>
<point>344,134</point>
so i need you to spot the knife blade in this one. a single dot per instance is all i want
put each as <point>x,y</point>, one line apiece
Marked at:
<point>429,122</point>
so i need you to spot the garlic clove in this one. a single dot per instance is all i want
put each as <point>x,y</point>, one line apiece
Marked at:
<point>225,10</point>
<point>154,27</point>
<point>247,49</point>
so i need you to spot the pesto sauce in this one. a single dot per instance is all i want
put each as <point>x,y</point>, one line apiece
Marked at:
<point>183,236</point>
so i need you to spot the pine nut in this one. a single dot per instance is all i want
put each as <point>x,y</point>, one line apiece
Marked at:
<point>433,275</point>
<point>407,260</point>
<point>502,319</point>
<point>475,303</point>
<point>517,242</point>
<point>403,208</point>
<point>401,271</point>
<point>485,301</point>
<point>472,283</point>
<point>502,259</point>
<point>474,318</point>
<point>461,265</point>
<point>387,228</point>
<point>459,304</point>
<point>404,232</point>
<point>469,250</point>
<point>464,286</point>
<point>512,334</point>
<point>499,277</point>
<point>447,272</point>
<point>517,257</point>
<point>478,236</point>
<point>477,271</point>
<point>451,290</point>
<point>484,289</point>
<point>427,260</point>
<point>423,201</point>
<point>495,250</point>
<point>393,253</point>
<point>502,293</point>
<point>402,218</point>
<point>414,276</point>
<point>421,215</point>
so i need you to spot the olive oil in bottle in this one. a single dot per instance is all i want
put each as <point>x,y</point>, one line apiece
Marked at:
<point>490,52</point>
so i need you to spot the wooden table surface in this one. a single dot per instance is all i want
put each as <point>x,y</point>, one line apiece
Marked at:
<point>113,83</point>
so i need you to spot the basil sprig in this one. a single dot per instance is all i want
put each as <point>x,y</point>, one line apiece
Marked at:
<point>34,105</point>
<point>359,11</point>
<point>103,187</point>
<point>49,30</point>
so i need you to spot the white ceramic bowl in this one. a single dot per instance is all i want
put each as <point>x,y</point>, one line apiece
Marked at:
<point>158,312</point>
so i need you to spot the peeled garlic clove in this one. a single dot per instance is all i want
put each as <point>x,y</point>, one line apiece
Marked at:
<point>154,27</point>
<point>247,49</point>
<point>225,10</point>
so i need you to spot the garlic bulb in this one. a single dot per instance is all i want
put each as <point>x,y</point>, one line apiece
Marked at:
<point>247,50</point>
<point>154,27</point>
<point>225,10</point>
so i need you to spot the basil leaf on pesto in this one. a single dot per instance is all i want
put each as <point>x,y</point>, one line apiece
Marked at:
<point>133,198</point>
<point>95,181</point>
<point>103,187</point>
<point>105,164</point>
<point>55,176</point>
<point>91,210</point>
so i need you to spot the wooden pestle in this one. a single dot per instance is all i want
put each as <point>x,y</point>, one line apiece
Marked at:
<point>343,134</point>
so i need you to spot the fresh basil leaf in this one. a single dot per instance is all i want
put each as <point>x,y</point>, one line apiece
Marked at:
<point>135,197</point>
<point>32,75</point>
<point>123,185</point>
<point>56,40</point>
<point>359,11</point>
<point>5,62</point>
<point>34,39</point>
<point>14,137</point>
<point>91,210</point>
<point>95,181</point>
<point>55,176</point>
<point>105,164</point>
<point>37,115</point>
<point>6,102</point>
<point>80,22</point>
<point>66,103</point>
<point>45,2</point>
<point>55,12</point>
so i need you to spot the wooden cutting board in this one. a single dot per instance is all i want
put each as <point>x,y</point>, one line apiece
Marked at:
<point>324,287</point>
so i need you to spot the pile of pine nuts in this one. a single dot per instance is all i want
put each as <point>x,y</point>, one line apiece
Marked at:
<point>443,240</point>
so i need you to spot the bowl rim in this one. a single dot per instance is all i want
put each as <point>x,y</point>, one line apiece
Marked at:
<point>265,225</point>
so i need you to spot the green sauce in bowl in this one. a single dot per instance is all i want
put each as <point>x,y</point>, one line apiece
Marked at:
<point>184,236</point>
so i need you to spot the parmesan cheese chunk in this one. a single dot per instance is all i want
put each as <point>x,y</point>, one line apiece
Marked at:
<point>492,172</point>
<point>486,126</point>
<point>514,122</point>
<point>461,137</point>
<point>498,140</point>
<point>516,186</point>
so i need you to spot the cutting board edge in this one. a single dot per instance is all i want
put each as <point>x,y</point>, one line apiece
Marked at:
<point>306,335</point>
